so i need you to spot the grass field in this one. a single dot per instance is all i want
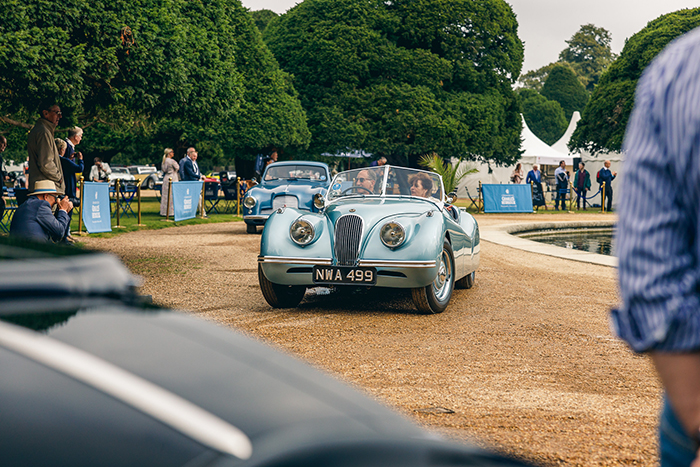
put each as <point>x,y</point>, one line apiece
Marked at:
<point>151,219</point>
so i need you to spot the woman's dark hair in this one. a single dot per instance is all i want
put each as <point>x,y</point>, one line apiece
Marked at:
<point>425,181</point>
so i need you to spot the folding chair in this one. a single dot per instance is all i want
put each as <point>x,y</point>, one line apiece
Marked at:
<point>128,192</point>
<point>229,200</point>
<point>474,201</point>
<point>211,196</point>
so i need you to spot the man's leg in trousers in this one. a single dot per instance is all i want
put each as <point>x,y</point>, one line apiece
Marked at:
<point>609,200</point>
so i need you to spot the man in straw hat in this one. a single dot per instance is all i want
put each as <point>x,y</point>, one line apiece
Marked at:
<point>34,220</point>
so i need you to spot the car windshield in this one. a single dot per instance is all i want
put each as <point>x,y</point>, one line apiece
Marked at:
<point>295,172</point>
<point>387,181</point>
<point>119,171</point>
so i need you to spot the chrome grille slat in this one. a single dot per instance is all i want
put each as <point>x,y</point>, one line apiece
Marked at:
<point>348,234</point>
<point>285,200</point>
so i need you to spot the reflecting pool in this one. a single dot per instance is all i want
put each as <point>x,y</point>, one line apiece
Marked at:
<point>594,240</point>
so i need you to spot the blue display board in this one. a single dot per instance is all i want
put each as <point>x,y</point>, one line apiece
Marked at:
<point>95,208</point>
<point>186,199</point>
<point>507,198</point>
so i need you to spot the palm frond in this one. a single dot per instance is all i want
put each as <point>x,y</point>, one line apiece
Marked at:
<point>452,174</point>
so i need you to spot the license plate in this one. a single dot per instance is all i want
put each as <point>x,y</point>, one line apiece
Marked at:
<point>344,275</point>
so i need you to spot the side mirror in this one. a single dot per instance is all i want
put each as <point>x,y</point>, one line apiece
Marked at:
<point>451,198</point>
<point>319,201</point>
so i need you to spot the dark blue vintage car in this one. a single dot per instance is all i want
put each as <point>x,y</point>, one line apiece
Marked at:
<point>285,184</point>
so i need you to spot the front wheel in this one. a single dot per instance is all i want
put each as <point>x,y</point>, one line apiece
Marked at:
<point>280,296</point>
<point>434,298</point>
<point>251,228</point>
<point>150,184</point>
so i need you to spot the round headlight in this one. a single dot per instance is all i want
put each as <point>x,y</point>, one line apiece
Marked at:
<point>301,231</point>
<point>249,202</point>
<point>392,234</point>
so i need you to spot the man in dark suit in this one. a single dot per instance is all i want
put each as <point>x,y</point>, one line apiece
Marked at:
<point>189,172</point>
<point>34,220</point>
<point>75,135</point>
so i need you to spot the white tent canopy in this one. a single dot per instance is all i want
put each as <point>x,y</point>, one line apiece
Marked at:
<point>536,151</point>
<point>561,145</point>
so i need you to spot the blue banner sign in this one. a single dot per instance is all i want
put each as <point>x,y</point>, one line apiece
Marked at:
<point>507,198</point>
<point>95,208</point>
<point>186,199</point>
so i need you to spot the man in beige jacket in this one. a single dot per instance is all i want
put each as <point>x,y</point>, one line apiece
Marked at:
<point>44,160</point>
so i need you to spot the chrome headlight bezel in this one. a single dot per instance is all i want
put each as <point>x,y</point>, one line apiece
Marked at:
<point>250,202</point>
<point>392,234</point>
<point>302,232</point>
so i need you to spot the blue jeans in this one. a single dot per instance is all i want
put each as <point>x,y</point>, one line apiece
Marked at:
<point>676,448</point>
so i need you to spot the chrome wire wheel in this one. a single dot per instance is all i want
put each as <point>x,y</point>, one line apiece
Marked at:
<point>435,297</point>
<point>442,285</point>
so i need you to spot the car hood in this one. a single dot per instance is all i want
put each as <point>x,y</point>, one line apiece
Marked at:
<point>268,395</point>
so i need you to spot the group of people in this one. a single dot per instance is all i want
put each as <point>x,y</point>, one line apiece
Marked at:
<point>53,165</point>
<point>582,184</point>
<point>186,170</point>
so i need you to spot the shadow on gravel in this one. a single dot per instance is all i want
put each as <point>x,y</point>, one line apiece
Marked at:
<point>356,299</point>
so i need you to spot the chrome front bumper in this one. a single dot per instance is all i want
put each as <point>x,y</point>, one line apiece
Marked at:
<point>396,274</point>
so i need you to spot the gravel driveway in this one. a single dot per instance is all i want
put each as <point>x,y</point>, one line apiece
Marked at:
<point>523,362</point>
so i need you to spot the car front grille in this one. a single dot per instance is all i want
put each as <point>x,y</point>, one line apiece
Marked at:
<point>285,200</point>
<point>348,233</point>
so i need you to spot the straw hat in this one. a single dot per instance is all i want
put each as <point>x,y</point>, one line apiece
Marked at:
<point>44,187</point>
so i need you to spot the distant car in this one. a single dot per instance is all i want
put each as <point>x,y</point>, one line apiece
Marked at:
<point>121,173</point>
<point>149,176</point>
<point>377,227</point>
<point>284,184</point>
<point>93,376</point>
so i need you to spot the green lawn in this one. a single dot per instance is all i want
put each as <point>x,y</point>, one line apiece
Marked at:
<point>151,218</point>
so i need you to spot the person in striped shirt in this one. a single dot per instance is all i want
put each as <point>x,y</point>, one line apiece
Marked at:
<point>657,240</point>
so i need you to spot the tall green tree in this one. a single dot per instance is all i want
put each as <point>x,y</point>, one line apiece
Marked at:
<point>405,78</point>
<point>589,53</point>
<point>262,18</point>
<point>563,86</point>
<point>544,117</point>
<point>142,75</point>
<point>604,120</point>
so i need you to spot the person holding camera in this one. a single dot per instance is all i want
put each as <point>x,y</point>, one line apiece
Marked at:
<point>100,171</point>
<point>34,220</point>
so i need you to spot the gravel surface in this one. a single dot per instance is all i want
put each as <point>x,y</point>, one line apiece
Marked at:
<point>524,362</point>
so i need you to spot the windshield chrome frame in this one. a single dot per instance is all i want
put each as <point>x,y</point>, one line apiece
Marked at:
<point>382,194</point>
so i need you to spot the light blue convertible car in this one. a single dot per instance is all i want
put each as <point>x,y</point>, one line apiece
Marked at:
<point>284,184</point>
<point>381,227</point>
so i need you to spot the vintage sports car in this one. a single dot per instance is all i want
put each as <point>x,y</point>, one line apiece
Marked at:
<point>94,376</point>
<point>284,184</point>
<point>380,227</point>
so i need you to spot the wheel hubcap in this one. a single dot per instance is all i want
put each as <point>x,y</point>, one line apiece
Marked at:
<point>441,284</point>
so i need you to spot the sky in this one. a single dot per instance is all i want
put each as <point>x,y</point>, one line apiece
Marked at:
<point>545,25</point>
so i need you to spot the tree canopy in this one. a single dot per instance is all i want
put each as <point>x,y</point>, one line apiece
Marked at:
<point>143,75</point>
<point>544,117</point>
<point>262,18</point>
<point>588,54</point>
<point>604,120</point>
<point>563,86</point>
<point>405,78</point>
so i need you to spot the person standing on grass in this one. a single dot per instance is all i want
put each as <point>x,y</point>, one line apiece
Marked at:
<point>582,183</point>
<point>606,176</point>
<point>534,177</point>
<point>658,240</point>
<point>190,173</point>
<point>562,179</point>
<point>44,161</point>
<point>170,169</point>
<point>71,166</point>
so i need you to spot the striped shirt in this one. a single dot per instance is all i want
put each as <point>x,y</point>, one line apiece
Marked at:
<point>657,237</point>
